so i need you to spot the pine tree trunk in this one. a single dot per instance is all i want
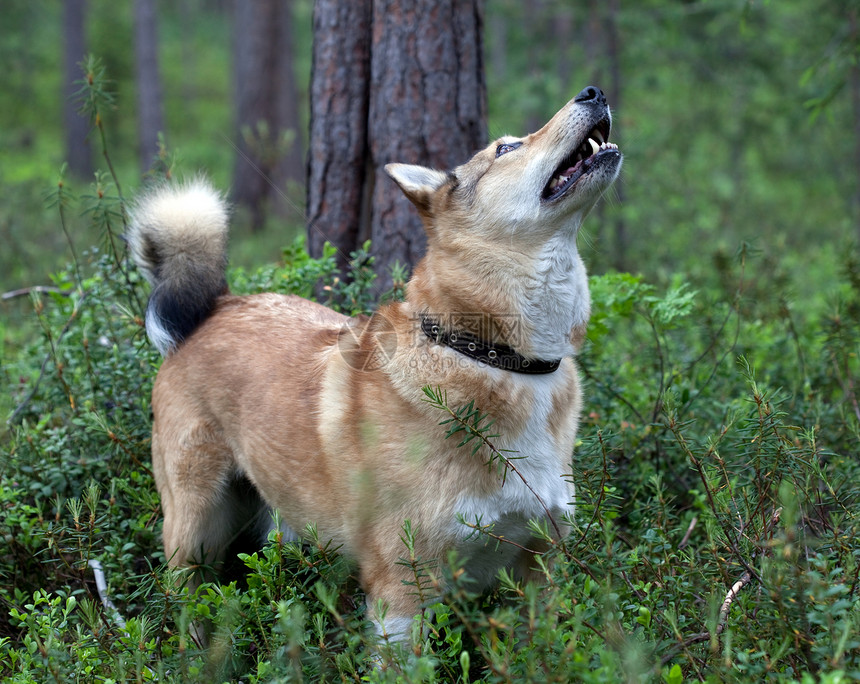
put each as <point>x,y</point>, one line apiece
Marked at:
<point>149,99</point>
<point>854,85</point>
<point>289,171</point>
<point>614,59</point>
<point>392,81</point>
<point>337,202</point>
<point>254,70</point>
<point>265,106</point>
<point>427,106</point>
<point>77,128</point>
<point>562,33</point>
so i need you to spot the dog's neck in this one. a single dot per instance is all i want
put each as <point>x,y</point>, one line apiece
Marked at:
<point>555,302</point>
<point>540,308</point>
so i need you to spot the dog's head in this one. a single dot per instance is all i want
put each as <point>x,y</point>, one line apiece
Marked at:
<point>527,187</point>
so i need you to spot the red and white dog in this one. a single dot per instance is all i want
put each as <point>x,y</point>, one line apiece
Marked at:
<point>325,416</point>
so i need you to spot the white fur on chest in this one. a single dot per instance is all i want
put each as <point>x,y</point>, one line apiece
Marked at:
<point>509,508</point>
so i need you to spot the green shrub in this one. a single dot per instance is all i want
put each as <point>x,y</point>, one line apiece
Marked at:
<point>715,537</point>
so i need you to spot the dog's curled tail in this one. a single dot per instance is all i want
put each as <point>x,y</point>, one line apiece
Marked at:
<point>177,236</point>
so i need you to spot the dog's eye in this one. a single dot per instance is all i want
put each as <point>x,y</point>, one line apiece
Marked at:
<point>504,148</point>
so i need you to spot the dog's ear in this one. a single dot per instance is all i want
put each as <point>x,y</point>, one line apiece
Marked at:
<point>418,183</point>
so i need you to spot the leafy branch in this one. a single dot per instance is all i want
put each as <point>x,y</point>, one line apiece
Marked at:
<point>475,427</point>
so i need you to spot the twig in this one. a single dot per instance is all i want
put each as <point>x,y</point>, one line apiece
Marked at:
<point>614,393</point>
<point>658,404</point>
<point>734,309</point>
<point>603,479</point>
<point>101,587</point>
<point>732,594</point>
<point>848,388</point>
<point>728,531</point>
<point>730,597</point>
<point>487,530</point>
<point>744,579</point>
<point>20,408</point>
<point>688,532</point>
<point>36,289</point>
<point>441,402</point>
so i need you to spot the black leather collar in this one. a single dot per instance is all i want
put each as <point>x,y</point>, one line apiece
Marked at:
<point>495,355</point>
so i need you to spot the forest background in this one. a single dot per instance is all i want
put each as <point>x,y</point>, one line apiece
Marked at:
<point>720,447</point>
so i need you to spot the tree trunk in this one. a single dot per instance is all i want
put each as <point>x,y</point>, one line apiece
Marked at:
<point>149,99</point>
<point>77,128</point>
<point>383,91</point>
<point>854,84</point>
<point>593,41</point>
<point>427,106</point>
<point>337,201</point>
<point>499,52</point>
<point>614,59</point>
<point>266,106</point>
<point>289,170</point>
<point>254,71</point>
<point>562,34</point>
<point>187,13</point>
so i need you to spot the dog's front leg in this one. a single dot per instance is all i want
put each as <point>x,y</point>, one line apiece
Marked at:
<point>393,602</point>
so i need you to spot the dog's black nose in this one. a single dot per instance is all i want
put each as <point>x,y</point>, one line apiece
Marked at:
<point>591,95</point>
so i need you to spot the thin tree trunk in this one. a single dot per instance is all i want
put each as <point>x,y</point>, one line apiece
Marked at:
<point>427,106</point>
<point>499,53</point>
<point>614,59</point>
<point>533,17</point>
<point>593,41</point>
<point>78,152</point>
<point>854,81</point>
<point>187,11</point>
<point>149,99</point>
<point>265,106</point>
<point>290,168</point>
<point>337,197</point>
<point>563,36</point>
<point>255,70</point>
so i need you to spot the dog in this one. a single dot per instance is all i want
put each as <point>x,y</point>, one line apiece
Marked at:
<point>325,415</point>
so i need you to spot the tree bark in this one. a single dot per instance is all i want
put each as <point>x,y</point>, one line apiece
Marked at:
<point>427,106</point>
<point>150,109</point>
<point>338,207</point>
<point>392,81</point>
<point>77,128</point>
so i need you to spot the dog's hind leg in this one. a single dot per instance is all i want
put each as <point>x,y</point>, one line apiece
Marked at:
<point>204,503</point>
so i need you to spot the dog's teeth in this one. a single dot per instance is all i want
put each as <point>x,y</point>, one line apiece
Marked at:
<point>557,182</point>
<point>597,134</point>
<point>595,148</point>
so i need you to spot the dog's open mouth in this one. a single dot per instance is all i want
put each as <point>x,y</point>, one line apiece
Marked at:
<point>579,162</point>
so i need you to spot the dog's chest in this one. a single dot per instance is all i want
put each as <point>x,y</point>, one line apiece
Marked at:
<point>533,485</point>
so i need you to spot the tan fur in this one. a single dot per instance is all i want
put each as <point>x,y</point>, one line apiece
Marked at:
<point>324,414</point>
